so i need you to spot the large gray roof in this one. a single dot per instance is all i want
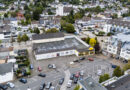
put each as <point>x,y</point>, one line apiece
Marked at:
<point>121,84</point>
<point>46,36</point>
<point>67,44</point>
<point>119,22</point>
<point>90,84</point>
<point>5,68</point>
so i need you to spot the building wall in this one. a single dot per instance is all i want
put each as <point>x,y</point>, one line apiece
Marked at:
<point>6,77</point>
<point>48,40</point>
<point>54,54</point>
<point>125,54</point>
<point>112,49</point>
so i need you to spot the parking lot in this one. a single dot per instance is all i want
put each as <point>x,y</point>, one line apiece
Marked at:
<point>89,68</point>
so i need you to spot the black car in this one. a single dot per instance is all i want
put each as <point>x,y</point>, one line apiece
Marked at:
<point>72,76</point>
<point>75,80</point>
<point>49,84</point>
<point>50,66</point>
<point>42,75</point>
<point>3,87</point>
<point>42,86</point>
<point>61,81</point>
<point>82,58</point>
<point>76,61</point>
<point>23,80</point>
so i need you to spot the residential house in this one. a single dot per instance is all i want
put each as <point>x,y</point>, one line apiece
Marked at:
<point>6,72</point>
<point>119,46</point>
<point>90,84</point>
<point>117,26</point>
<point>118,83</point>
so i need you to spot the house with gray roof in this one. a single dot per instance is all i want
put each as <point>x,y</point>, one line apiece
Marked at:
<point>119,46</point>
<point>90,84</point>
<point>6,72</point>
<point>117,26</point>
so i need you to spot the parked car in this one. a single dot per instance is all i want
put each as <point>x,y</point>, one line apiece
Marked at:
<point>39,69</point>
<point>51,66</point>
<point>61,81</point>
<point>23,80</point>
<point>82,58</point>
<point>90,59</point>
<point>31,66</point>
<point>72,76</point>
<point>42,75</point>
<point>69,84</point>
<point>99,72</point>
<point>125,61</point>
<point>11,85</point>
<point>3,86</point>
<point>113,66</point>
<point>49,84</point>
<point>76,61</point>
<point>82,73</point>
<point>52,88</point>
<point>75,80</point>
<point>77,74</point>
<point>42,86</point>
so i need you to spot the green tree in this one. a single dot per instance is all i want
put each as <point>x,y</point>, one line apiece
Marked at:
<point>92,42</point>
<point>114,16</point>
<point>52,30</point>
<point>36,13</point>
<point>19,39</point>
<point>36,30</point>
<point>103,78</point>
<point>117,71</point>
<point>97,47</point>
<point>77,87</point>
<point>0,41</point>
<point>87,40</point>
<point>69,28</point>
<point>25,37</point>
<point>127,66</point>
<point>89,15</point>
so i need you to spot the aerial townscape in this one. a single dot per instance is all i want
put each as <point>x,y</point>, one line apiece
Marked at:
<point>64,44</point>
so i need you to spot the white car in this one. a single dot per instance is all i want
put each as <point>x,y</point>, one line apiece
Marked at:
<point>99,72</point>
<point>69,84</point>
<point>53,66</point>
<point>52,88</point>
<point>82,73</point>
<point>11,85</point>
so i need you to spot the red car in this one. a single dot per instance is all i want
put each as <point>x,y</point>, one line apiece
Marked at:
<point>77,74</point>
<point>39,69</point>
<point>90,59</point>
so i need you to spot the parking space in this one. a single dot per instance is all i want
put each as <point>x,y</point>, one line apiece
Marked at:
<point>89,68</point>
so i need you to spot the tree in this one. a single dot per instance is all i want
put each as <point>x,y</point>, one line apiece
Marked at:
<point>52,30</point>
<point>5,15</point>
<point>19,39</point>
<point>127,66</point>
<point>87,40</point>
<point>0,41</point>
<point>104,78</point>
<point>97,47</point>
<point>69,28</point>
<point>114,16</point>
<point>36,30</point>
<point>25,38</point>
<point>117,71</point>
<point>92,42</point>
<point>89,15</point>
<point>36,14</point>
<point>77,87</point>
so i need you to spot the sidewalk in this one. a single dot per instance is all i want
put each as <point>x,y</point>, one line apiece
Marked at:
<point>67,75</point>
